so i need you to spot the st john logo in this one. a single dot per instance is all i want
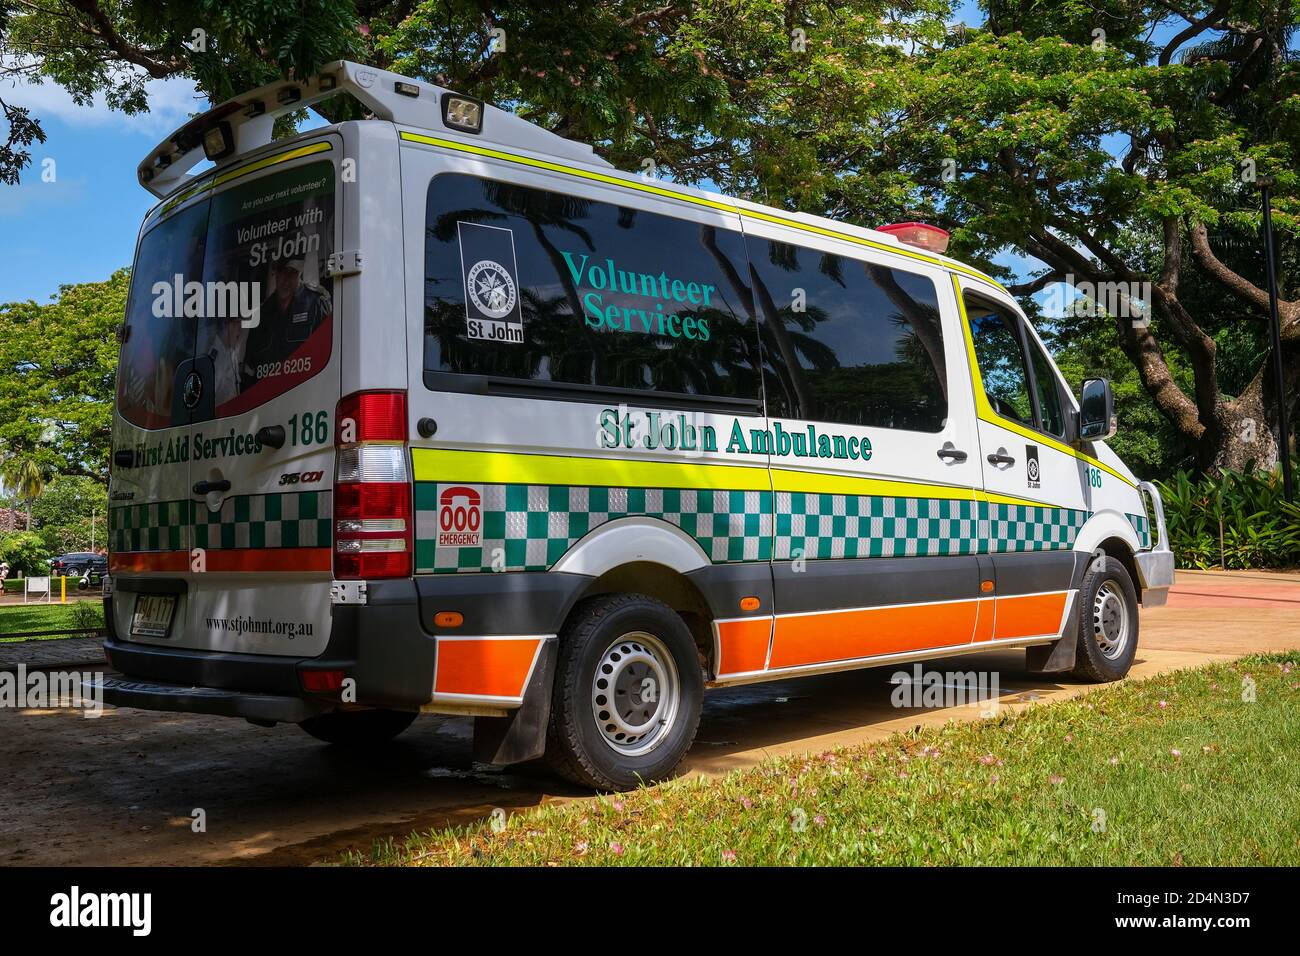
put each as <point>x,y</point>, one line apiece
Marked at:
<point>487,261</point>
<point>1031,466</point>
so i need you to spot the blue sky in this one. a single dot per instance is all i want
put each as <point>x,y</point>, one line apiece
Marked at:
<point>81,226</point>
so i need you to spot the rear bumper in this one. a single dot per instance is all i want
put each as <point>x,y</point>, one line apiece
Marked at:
<point>387,646</point>
<point>155,695</point>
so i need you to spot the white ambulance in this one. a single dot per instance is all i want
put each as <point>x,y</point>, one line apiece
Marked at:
<point>437,412</point>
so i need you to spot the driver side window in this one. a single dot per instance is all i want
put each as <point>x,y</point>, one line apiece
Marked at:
<point>996,336</point>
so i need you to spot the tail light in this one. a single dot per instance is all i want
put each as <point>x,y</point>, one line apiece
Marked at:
<point>372,487</point>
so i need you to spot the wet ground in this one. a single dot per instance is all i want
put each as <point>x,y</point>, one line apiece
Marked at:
<point>123,788</point>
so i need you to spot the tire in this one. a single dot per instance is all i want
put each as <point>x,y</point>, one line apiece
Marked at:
<point>358,728</point>
<point>625,643</point>
<point>1108,622</point>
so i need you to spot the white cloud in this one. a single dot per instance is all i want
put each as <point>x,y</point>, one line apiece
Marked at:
<point>171,102</point>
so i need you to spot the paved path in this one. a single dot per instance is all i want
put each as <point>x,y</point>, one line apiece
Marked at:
<point>122,788</point>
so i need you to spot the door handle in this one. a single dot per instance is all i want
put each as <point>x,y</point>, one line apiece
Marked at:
<point>1000,458</point>
<point>206,487</point>
<point>952,454</point>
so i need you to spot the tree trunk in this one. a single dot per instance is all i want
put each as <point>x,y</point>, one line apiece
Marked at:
<point>1242,433</point>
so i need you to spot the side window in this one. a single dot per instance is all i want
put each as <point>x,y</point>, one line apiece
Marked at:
<point>849,341</point>
<point>527,284</point>
<point>1049,396</point>
<point>996,335</point>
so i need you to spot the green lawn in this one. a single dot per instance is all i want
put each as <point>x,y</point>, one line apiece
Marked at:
<point>1176,769</point>
<point>19,618</point>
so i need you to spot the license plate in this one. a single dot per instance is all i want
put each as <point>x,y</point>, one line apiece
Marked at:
<point>153,615</point>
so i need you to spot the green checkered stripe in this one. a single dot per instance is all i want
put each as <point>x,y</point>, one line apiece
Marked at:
<point>872,526</point>
<point>157,526</point>
<point>1142,528</point>
<point>298,519</point>
<point>1012,528</point>
<point>530,527</point>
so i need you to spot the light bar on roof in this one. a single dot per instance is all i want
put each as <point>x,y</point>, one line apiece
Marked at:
<point>919,234</point>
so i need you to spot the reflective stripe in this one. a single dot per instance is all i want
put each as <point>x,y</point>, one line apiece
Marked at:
<point>240,171</point>
<point>225,559</point>
<point>511,468</point>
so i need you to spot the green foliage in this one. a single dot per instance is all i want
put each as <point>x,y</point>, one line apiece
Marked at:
<point>25,552</point>
<point>1240,520</point>
<point>57,367</point>
<point>64,514</point>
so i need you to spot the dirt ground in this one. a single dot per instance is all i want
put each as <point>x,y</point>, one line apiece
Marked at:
<point>122,788</point>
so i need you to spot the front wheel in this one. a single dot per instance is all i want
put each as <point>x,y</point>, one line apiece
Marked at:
<point>358,728</point>
<point>628,693</point>
<point>1108,622</point>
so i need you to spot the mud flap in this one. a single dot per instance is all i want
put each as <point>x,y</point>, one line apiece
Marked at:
<point>522,735</point>
<point>1058,656</point>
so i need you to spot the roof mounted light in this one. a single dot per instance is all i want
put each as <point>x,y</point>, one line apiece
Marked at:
<point>919,234</point>
<point>327,81</point>
<point>406,89</point>
<point>287,95</point>
<point>254,108</point>
<point>218,142</point>
<point>462,113</point>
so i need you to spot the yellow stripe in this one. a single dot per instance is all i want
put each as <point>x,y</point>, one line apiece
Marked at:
<point>688,198</point>
<point>241,171</point>
<point>509,468</point>
<point>986,413</point>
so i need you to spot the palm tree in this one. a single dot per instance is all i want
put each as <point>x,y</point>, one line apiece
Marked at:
<point>25,478</point>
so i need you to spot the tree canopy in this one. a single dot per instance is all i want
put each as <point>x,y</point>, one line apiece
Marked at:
<point>1108,142</point>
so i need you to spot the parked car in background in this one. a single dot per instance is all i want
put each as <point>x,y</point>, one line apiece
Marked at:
<point>77,563</point>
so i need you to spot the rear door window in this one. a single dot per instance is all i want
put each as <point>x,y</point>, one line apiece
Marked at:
<point>159,338</point>
<point>268,244</point>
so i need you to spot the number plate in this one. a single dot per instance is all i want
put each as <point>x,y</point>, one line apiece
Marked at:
<point>153,615</point>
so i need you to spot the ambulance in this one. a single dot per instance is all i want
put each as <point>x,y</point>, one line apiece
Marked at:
<point>437,412</point>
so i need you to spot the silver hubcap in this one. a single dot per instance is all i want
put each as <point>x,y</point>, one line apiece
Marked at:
<point>1110,621</point>
<point>635,693</point>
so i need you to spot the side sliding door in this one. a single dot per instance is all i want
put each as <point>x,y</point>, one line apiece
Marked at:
<point>873,451</point>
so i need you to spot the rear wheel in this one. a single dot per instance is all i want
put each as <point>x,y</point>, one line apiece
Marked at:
<point>628,693</point>
<point>356,728</point>
<point>1108,622</point>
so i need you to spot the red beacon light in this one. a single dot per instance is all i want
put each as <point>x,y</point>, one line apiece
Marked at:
<point>919,234</point>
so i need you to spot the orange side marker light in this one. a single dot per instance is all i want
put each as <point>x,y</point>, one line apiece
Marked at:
<point>449,619</point>
<point>749,603</point>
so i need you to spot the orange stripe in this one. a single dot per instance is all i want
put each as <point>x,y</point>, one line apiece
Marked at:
<point>984,622</point>
<point>484,667</point>
<point>743,645</point>
<point>1029,615</point>
<point>226,559</point>
<point>867,632</point>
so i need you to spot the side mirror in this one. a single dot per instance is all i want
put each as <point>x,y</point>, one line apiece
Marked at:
<point>1096,410</point>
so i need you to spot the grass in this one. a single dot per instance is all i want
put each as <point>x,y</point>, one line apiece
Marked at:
<point>1175,770</point>
<point>20,618</point>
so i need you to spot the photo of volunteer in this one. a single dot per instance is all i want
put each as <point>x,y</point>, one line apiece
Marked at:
<point>242,356</point>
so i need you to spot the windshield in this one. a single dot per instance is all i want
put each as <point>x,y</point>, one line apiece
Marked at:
<point>235,290</point>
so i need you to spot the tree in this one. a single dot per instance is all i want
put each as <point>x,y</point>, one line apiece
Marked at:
<point>70,514</point>
<point>25,552</point>
<point>1116,162</point>
<point>26,477</point>
<point>57,368</point>
<point>112,48</point>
